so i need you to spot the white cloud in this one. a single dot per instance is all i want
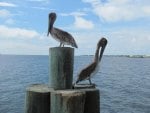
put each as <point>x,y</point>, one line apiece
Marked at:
<point>4,13</point>
<point>73,14</point>
<point>146,10</point>
<point>120,42</point>
<point>7,32</point>
<point>37,0</point>
<point>116,10</point>
<point>123,41</point>
<point>42,1</point>
<point>40,8</point>
<point>82,23</point>
<point>12,47</point>
<point>129,41</point>
<point>15,40</point>
<point>86,43</point>
<point>6,4</point>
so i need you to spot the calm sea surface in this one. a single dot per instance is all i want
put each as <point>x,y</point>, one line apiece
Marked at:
<point>124,82</point>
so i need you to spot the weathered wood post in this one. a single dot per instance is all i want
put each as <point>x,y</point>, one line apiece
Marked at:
<point>61,67</point>
<point>67,101</point>
<point>59,97</point>
<point>92,100</point>
<point>37,99</point>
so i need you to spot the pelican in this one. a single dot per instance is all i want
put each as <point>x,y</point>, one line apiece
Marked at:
<point>62,36</point>
<point>92,68</point>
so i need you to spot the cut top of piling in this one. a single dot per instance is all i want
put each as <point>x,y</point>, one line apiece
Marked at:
<point>42,88</point>
<point>62,48</point>
<point>68,92</point>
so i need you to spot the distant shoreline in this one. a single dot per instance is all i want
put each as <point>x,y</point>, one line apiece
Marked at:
<point>129,56</point>
<point>139,56</point>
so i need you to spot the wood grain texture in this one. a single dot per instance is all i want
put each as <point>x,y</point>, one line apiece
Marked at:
<point>61,67</point>
<point>67,101</point>
<point>37,99</point>
<point>92,100</point>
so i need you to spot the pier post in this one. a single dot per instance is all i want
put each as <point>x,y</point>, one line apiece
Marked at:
<point>37,99</point>
<point>92,100</point>
<point>58,96</point>
<point>67,101</point>
<point>61,67</point>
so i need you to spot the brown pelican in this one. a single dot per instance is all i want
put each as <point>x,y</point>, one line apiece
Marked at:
<point>62,36</point>
<point>91,69</point>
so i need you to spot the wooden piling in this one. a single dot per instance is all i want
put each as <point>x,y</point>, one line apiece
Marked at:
<point>92,100</point>
<point>59,97</point>
<point>61,67</point>
<point>37,99</point>
<point>67,101</point>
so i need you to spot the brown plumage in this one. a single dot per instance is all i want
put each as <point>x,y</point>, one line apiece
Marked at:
<point>92,68</point>
<point>62,36</point>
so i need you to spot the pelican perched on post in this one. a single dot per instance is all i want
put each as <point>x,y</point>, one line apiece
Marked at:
<point>62,36</point>
<point>92,68</point>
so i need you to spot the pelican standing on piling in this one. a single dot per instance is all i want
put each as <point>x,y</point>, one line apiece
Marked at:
<point>91,69</point>
<point>62,36</point>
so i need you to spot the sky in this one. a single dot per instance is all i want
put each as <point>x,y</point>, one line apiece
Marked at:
<point>124,23</point>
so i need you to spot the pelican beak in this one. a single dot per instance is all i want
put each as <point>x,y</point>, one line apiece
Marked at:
<point>75,45</point>
<point>102,49</point>
<point>48,27</point>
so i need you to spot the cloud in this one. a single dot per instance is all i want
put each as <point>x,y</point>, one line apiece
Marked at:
<point>13,47</point>
<point>146,10</point>
<point>120,42</point>
<point>86,43</point>
<point>118,10</point>
<point>4,13</point>
<point>128,41</point>
<point>21,33</point>
<point>37,0</point>
<point>6,4</point>
<point>82,23</point>
<point>74,14</point>
<point>40,8</point>
<point>42,1</point>
<point>14,40</point>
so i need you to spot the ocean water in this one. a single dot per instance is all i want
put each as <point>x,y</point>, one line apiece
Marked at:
<point>124,82</point>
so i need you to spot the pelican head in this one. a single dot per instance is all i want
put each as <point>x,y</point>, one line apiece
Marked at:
<point>102,43</point>
<point>52,18</point>
<point>73,43</point>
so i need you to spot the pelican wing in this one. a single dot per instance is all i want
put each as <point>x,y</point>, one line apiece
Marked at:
<point>63,36</point>
<point>86,72</point>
